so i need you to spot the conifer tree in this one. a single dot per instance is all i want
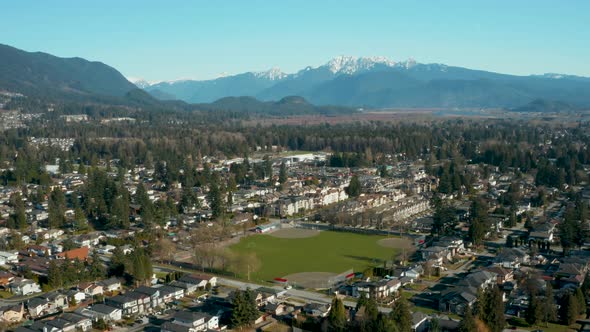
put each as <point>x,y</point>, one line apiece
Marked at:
<point>568,311</point>
<point>401,316</point>
<point>337,316</point>
<point>468,323</point>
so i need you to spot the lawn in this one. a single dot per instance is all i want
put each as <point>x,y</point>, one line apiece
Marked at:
<point>326,252</point>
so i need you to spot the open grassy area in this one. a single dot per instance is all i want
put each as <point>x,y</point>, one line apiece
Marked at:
<point>326,252</point>
<point>5,295</point>
<point>550,327</point>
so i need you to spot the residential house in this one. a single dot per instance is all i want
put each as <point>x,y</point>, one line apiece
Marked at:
<point>12,313</point>
<point>543,232</point>
<point>479,280</point>
<point>436,254</point>
<point>40,251</point>
<point>37,306</point>
<point>24,287</point>
<point>127,305</point>
<point>60,324</point>
<point>57,301</point>
<point>201,280</point>
<point>76,295</point>
<point>153,293</point>
<point>7,257</point>
<point>79,253</point>
<point>379,289</point>
<point>572,272</point>
<point>188,288</point>
<point>80,322</point>
<point>103,311</point>
<point>194,321</point>
<point>111,285</point>
<point>316,309</point>
<point>169,293</point>
<point>419,322</point>
<point>503,275</point>
<point>275,309</point>
<point>5,279</point>
<point>90,289</point>
<point>511,258</point>
<point>413,273</point>
<point>453,244</point>
<point>457,299</point>
<point>144,301</point>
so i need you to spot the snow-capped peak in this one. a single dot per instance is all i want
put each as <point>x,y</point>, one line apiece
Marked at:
<point>553,75</point>
<point>139,82</point>
<point>351,65</point>
<point>271,74</point>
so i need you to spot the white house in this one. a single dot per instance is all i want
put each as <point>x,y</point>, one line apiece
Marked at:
<point>24,287</point>
<point>8,257</point>
<point>103,311</point>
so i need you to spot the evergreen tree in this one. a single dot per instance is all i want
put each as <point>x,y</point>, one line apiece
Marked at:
<point>19,217</point>
<point>549,312</point>
<point>568,311</point>
<point>117,264</point>
<point>283,175</point>
<point>581,301</point>
<point>383,324</point>
<point>146,206</point>
<point>96,270</point>
<point>443,218</point>
<point>468,323</point>
<point>354,188</point>
<point>534,312</point>
<point>400,314</point>
<point>492,309</point>
<point>214,196</point>
<point>238,310</point>
<point>337,316</point>
<point>57,206</point>
<point>383,171</point>
<point>55,275</point>
<point>476,232</point>
<point>244,310</point>
<point>80,221</point>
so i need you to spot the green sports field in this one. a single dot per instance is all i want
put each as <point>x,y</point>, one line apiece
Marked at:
<point>326,252</point>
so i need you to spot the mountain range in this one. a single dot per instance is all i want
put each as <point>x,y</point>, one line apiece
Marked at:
<point>379,82</point>
<point>376,82</point>
<point>42,73</point>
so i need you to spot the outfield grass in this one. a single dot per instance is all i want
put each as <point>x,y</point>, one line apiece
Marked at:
<point>327,252</point>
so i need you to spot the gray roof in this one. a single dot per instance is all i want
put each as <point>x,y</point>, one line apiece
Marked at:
<point>103,308</point>
<point>189,316</point>
<point>147,290</point>
<point>477,279</point>
<point>36,301</point>
<point>73,317</point>
<point>170,326</point>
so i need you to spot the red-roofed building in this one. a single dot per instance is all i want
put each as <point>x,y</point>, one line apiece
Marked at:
<point>80,253</point>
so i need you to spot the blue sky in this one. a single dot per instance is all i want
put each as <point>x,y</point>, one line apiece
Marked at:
<point>165,40</point>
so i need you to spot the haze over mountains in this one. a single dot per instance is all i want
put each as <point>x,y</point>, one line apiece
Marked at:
<point>375,82</point>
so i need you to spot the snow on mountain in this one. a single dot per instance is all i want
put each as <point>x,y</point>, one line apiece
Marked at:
<point>557,76</point>
<point>139,82</point>
<point>350,64</point>
<point>272,74</point>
